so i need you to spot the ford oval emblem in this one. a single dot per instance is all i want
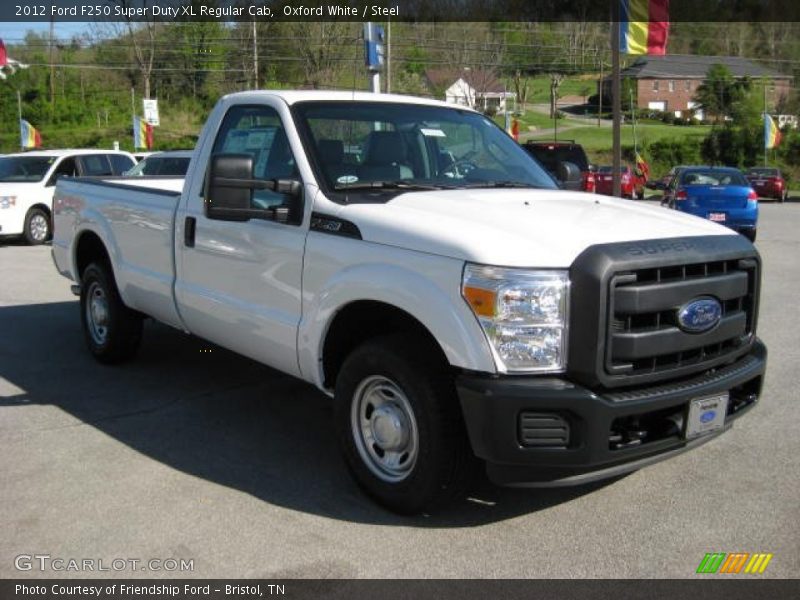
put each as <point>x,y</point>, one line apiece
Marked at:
<point>708,416</point>
<point>700,315</point>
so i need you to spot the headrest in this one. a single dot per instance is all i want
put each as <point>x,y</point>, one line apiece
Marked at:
<point>331,151</point>
<point>385,148</point>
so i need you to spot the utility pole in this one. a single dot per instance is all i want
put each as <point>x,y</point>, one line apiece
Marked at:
<point>19,111</point>
<point>601,88</point>
<point>616,101</point>
<point>52,67</point>
<point>389,56</point>
<point>255,56</point>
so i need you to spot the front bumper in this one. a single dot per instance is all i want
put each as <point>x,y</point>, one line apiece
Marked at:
<point>609,433</point>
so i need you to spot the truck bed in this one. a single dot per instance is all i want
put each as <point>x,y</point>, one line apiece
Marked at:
<point>136,218</point>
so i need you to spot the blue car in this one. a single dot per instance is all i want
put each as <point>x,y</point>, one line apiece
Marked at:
<point>720,194</point>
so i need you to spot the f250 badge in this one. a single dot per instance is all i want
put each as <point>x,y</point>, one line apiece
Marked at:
<point>700,315</point>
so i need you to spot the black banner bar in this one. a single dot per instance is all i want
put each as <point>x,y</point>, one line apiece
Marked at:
<point>708,587</point>
<point>382,10</point>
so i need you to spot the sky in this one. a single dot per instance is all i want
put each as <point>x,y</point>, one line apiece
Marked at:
<point>13,32</point>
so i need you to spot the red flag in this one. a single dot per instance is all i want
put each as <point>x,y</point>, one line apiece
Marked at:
<point>3,55</point>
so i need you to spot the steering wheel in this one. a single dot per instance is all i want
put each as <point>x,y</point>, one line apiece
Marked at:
<point>459,169</point>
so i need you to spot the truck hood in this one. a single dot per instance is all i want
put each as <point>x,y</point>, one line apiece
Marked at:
<point>517,227</point>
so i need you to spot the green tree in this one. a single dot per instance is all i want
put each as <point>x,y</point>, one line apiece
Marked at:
<point>720,92</point>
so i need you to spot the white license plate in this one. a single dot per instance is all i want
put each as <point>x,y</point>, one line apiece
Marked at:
<point>706,415</point>
<point>718,217</point>
<point>760,182</point>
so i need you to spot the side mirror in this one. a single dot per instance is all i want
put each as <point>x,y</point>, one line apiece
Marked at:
<point>229,191</point>
<point>568,172</point>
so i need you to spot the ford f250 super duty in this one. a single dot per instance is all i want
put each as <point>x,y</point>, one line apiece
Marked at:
<point>409,259</point>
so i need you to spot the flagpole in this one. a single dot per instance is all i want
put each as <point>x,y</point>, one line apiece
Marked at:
<point>765,122</point>
<point>133,116</point>
<point>616,103</point>
<point>633,123</point>
<point>19,123</point>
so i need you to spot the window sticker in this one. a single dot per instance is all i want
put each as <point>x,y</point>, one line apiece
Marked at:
<point>346,179</point>
<point>432,132</point>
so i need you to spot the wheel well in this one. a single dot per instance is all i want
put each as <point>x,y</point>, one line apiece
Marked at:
<point>359,321</point>
<point>90,249</point>
<point>43,207</point>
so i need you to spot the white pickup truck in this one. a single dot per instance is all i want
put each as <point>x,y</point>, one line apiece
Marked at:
<point>413,262</point>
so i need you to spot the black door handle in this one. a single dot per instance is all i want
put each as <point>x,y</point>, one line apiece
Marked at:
<point>188,231</point>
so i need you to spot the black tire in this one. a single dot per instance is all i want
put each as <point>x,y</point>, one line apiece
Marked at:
<point>38,227</point>
<point>640,195</point>
<point>750,234</point>
<point>113,332</point>
<point>442,463</point>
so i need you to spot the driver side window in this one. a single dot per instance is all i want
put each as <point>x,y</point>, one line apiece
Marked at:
<point>258,131</point>
<point>66,168</point>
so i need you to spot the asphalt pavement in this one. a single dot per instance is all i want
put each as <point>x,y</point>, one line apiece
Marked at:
<point>195,454</point>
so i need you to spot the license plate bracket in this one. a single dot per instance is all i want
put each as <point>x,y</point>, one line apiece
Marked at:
<point>706,415</point>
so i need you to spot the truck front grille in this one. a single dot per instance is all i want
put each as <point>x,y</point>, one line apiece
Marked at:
<point>644,335</point>
<point>625,300</point>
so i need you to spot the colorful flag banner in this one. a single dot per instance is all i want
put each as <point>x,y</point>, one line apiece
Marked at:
<point>644,26</point>
<point>29,135</point>
<point>772,135</point>
<point>3,54</point>
<point>142,134</point>
<point>642,168</point>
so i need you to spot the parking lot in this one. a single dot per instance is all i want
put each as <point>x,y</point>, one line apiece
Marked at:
<point>193,453</point>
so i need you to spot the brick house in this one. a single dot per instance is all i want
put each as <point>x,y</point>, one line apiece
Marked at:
<point>669,83</point>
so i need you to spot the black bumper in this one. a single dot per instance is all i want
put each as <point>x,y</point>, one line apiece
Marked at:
<point>609,433</point>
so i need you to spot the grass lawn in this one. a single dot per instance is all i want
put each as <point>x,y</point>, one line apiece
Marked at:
<point>599,138</point>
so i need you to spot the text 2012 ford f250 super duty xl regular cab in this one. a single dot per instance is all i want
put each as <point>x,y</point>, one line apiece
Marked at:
<point>413,262</point>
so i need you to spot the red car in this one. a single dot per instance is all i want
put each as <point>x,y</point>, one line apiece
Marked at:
<point>768,183</point>
<point>630,184</point>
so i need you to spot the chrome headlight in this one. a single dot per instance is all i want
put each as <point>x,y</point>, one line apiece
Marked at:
<point>523,314</point>
<point>8,201</point>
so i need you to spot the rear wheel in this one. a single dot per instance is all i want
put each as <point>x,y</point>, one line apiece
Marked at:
<point>750,234</point>
<point>37,226</point>
<point>113,332</point>
<point>399,425</point>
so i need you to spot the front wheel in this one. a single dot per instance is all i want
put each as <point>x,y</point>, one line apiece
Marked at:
<point>113,332</point>
<point>37,227</point>
<point>399,425</point>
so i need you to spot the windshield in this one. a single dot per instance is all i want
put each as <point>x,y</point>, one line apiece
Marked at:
<point>27,169</point>
<point>763,172</point>
<point>379,145</point>
<point>711,177</point>
<point>161,165</point>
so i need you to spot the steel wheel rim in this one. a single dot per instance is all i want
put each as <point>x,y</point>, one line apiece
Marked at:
<point>38,227</point>
<point>384,429</point>
<point>97,313</point>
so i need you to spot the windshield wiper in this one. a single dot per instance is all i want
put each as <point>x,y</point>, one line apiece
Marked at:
<point>388,185</point>
<point>501,184</point>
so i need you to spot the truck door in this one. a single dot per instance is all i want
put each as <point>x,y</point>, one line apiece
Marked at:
<point>238,282</point>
